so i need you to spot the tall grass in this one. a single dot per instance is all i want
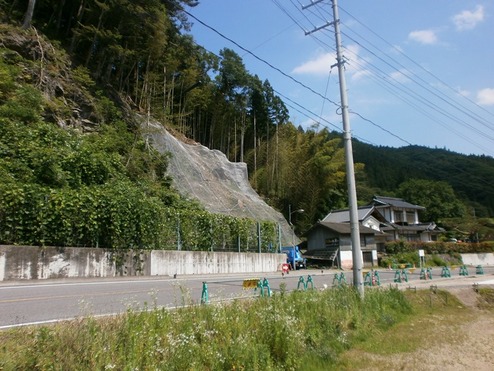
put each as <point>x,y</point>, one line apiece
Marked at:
<point>289,331</point>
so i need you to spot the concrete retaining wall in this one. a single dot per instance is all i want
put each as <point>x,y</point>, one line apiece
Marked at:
<point>484,259</point>
<point>30,262</point>
<point>165,262</point>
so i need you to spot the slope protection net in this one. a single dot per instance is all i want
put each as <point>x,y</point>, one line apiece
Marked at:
<point>218,184</point>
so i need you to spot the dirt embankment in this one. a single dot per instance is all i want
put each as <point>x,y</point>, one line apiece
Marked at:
<point>462,343</point>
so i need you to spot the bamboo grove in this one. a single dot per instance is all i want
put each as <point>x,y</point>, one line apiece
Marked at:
<point>140,51</point>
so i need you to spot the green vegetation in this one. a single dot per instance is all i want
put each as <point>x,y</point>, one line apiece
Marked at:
<point>486,298</point>
<point>104,189</point>
<point>287,331</point>
<point>469,177</point>
<point>436,253</point>
<point>85,65</point>
<point>303,330</point>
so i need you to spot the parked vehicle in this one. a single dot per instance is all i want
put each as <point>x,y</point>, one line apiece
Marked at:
<point>294,257</point>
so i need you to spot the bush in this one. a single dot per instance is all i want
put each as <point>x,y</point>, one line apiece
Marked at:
<point>437,261</point>
<point>411,258</point>
<point>439,247</point>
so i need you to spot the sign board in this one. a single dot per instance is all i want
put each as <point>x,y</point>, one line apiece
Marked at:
<point>250,283</point>
<point>421,253</point>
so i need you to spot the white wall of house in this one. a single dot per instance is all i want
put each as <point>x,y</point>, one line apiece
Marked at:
<point>372,223</point>
<point>398,215</point>
<point>425,237</point>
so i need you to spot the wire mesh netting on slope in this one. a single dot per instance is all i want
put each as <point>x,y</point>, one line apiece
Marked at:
<point>208,176</point>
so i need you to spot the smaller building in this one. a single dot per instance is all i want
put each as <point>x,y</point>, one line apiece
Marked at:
<point>331,242</point>
<point>402,220</point>
<point>384,219</point>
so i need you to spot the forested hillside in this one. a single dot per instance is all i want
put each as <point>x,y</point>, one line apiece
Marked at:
<point>71,71</point>
<point>471,177</point>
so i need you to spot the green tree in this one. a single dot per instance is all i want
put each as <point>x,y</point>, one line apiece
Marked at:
<point>437,197</point>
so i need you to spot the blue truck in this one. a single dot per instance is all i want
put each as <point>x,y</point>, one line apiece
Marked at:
<point>294,257</point>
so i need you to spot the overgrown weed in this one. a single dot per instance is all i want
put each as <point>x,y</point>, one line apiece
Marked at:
<point>293,331</point>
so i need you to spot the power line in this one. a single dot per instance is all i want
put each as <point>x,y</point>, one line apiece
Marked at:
<point>435,92</point>
<point>261,60</point>
<point>415,63</point>
<point>386,80</point>
<point>287,75</point>
<point>318,94</point>
<point>429,90</point>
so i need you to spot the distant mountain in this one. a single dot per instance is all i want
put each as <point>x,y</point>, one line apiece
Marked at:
<point>471,176</point>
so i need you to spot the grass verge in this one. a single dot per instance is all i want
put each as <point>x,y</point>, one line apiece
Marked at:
<point>289,331</point>
<point>311,330</point>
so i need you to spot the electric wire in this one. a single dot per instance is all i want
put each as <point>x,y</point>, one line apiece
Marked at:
<point>261,59</point>
<point>320,118</point>
<point>449,115</point>
<point>415,63</point>
<point>458,169</point>
<point>312,113</point>
<point>432,106</point>
<point>325,44</point>
<point>298,82</point>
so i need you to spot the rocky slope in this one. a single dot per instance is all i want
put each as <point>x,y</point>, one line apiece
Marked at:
<point>210,178</point>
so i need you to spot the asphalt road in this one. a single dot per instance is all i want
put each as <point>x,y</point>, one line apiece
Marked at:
<point>36,302</point>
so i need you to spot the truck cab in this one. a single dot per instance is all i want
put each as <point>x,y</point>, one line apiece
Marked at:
<point>294,257</point>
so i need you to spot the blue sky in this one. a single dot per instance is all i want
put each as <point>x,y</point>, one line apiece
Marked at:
<point>418,72</point>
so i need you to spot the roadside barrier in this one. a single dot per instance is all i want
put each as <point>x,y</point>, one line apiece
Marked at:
<point>372,279</point>
<point>205,294</point>
<point>445,272</point>
<point>463,270</point>
<point>339,279</point>
<point>479,270</point>
<point>309,280</point>
<point>401,276</point>
<point>304,283</point>
<point>264,284</point>
<point>426,274</point>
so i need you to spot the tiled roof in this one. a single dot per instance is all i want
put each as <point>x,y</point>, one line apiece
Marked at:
<point>344,228</point>
<point>395,202</point>
<point>413,227</point>
<point>343,216</point>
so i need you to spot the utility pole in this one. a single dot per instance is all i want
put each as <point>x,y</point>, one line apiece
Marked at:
<point>347,138</point>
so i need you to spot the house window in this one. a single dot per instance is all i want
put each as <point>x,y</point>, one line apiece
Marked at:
<point>363,241</point>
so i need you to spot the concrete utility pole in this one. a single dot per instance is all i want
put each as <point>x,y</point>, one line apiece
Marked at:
<point>347,137</point>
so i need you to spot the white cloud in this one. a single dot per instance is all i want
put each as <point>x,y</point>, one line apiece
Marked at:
<point>428,37</point>
<point>466,20</point>
<point>400,76</point>
<point>320,65</point>
<point>361,74</point>
<point>485,97</point>
<point>463,92</point>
